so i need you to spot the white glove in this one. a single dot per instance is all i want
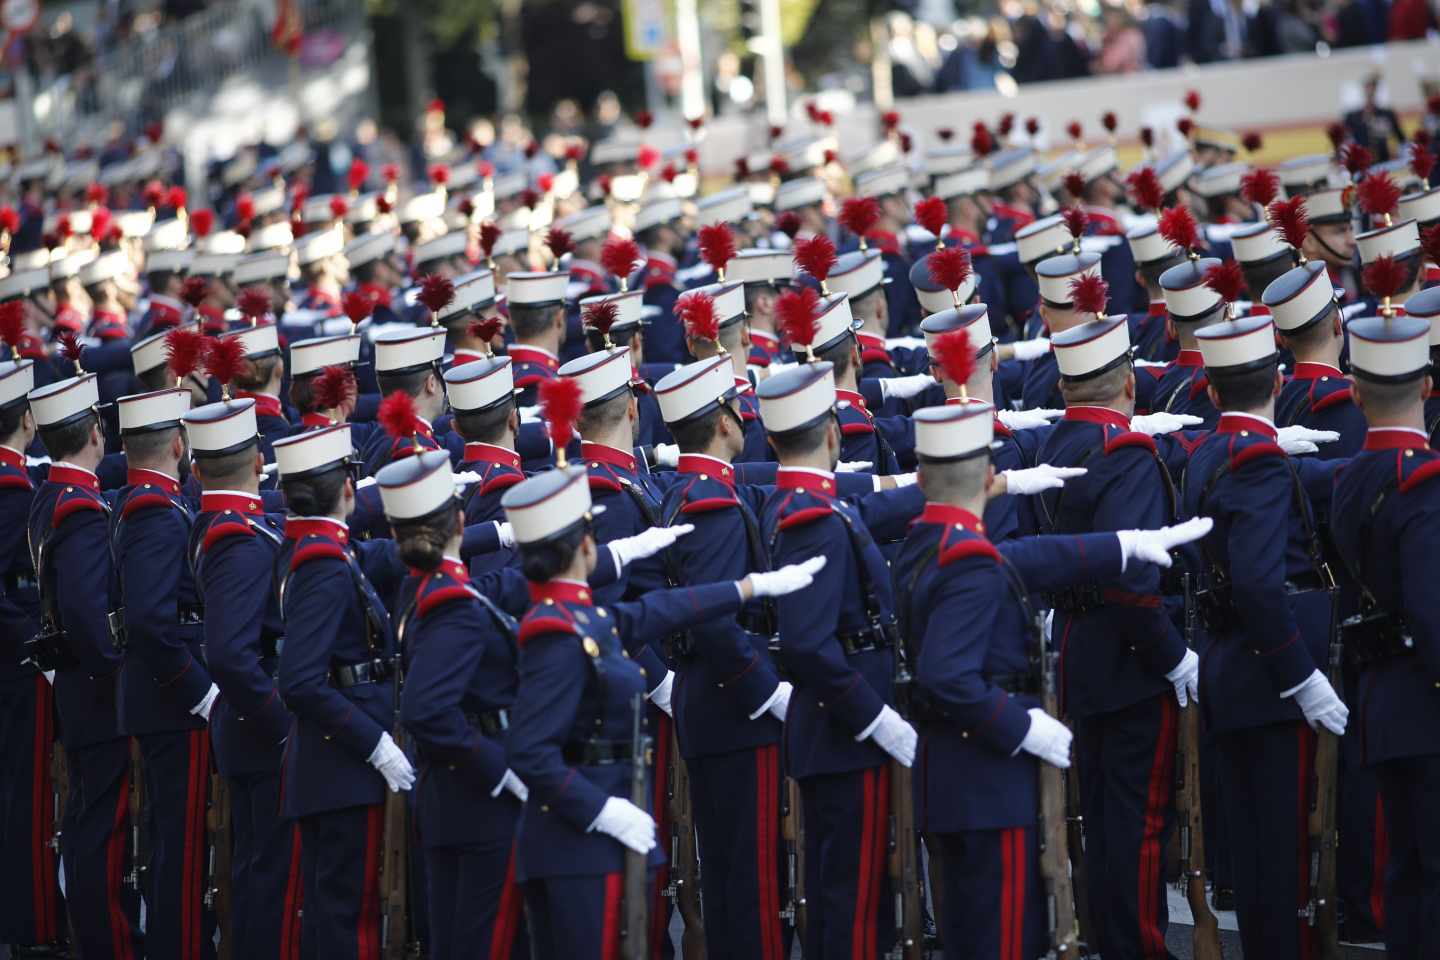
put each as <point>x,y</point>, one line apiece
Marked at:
<point>893,735</point>
<point>1037,478</point>
<point>1299,439</point>
<point>1321,704</point>
<point>667,455</point>
<point>1030,349</point>
<point>1027,419</point>
<point>853,466</point>
<point>780,702</point>
<point>365,482</point>
<point>1140,363</point>
<point>531,415</point>
<point>1185,677</point>
<point>390,761</point>
<point>647,543</point>
<point>788,579</point>
<point>464,478</point>
<point>1048,739</point>
<point>907,343</point>
<point>903,388</point>
<point>49,676</point>
<point>202,709</point>
<point>506,533</point>
<point>1154,424</point>
<point>627,823</point>
<point>514,784</point>
<point>660,696</point>
<point>1154,546</point>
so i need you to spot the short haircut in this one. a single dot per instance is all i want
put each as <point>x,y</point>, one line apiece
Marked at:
<point>1258,276</point>
<point>694,435</point>
<point>230,471</point>
<point>800,443</point>
<point>411,383</point>
<point>863,305</point>
<point>1316,334</point>
<point>257,373</point>
<point>528,321</point>
<point>157,378</point>
<point>606,415</point>
<point>63,442</point>
<point>302,393</point>
<point>1244,390</point>
<point>544,560</point>
<point>838,353</point>
<point>620,337</point>
<point>160,279</point>
<point>1151,271</point>
<point>484,426</point>
<point>954,480</point>
<point>10,418</point>
<point>1095,389</point>
<point>365,272</point>
<point>316,495</point>
<point>148,446</point>
<point>1387,399</point>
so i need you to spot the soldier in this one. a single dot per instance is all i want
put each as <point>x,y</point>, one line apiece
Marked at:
<point>977,688</point>
<point>69,547</point>
<point>1266,603</point>
<point>1384,525</point>
<point>657,228</point>
<point>166,693</point>
<point>765,273</point>
<point>482,397</point>
<point>260,379</point>
<point>232,554</point>
<point>1426,306</point>
<point>458,695</point>
<point>309,360</point>
<point>408,362</point>
<point>1055,275</point>
<point>627,332</point>
<point>474,300</point>
<point>31,913</point>
<point>728,339</point>
<point>1191,304</point>
<point>535,304</point>
<point>323,270</point>
<point>335,675</point>
<point>571,732</point>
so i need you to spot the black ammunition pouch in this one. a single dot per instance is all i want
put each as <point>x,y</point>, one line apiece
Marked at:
<point>1375,636</point>
<point>355,674</point>
<point>878,635</point>
<point>491,723</point>
<point>49,649</point>
<point>597,753</point>
<point>1080,599</point>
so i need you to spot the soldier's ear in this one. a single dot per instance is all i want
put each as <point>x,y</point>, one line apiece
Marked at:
<point>259,463</point>
<point>1279,382</point>
<point>1214,396</point>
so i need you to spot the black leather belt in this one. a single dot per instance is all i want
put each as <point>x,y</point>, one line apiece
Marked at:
<point>1017,683</point>
<point>871,638</point>
<point>191,616</point>
<point>1371,638</point>
<point>354,674</point>
<point>492,723</point>
<point>1077,599</point>
<point>1305,583</point>
<point>597,753</point>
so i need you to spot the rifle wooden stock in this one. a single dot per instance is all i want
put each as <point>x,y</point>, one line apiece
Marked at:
<point>60,779</point>
<point>1205,940</point>
<point>905,868</point>
<point>136,807</point>
<point>394,870</point>
<point>1323,835</point>
<point>792,828</point>
<point>217,892</point>
<point>684,887</point>
<point>636,942</point>
<point>1061,842</point>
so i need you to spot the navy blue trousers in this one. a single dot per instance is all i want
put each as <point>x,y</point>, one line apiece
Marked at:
<point>341,854</point>
<point>850,911</point>
<point>476,910</point>
<point>31,908</point>
<point>1267,779</point>
<point>1126,764</point>
<point>1411,791</point>
<point>1361,866</point>
<point>575,918</point>
<point>992,907</point>
<point>265,881</point>
<point>743,876</point>
<point>177,790</point>
<point>94,842</point>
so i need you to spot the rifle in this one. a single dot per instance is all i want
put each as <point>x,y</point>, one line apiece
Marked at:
<point>1060,837</point>
<point>684,888</point>
<point>1206,938</point>
<point>217,886</point>
<point>904,853</point>
<point>395,859</point>
<point>637,891</point>
<point>792,828</point>
<point>136,807</point>
<point>1324,838</point>
<point>60,777</point>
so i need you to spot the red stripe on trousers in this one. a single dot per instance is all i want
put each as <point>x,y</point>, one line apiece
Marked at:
<point>294,899</point>
<point>1157,802</point>
<point>765,816</point>
<point>1382,859</point>
<point>42,816</point>
<point>1304,776</point>
<point>867,841</point>
<point>195,840</point>
<point>367,928</point>
<point>1007,909</point>
<point>659,903</point>
<point>115,869</point>
<point>187,858</point>
<point>502,938</point>
<point>772,820</point>
<point>610,931</point>
<point>1018,899</point>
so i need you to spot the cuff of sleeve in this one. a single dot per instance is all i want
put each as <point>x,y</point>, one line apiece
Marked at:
<point>500,787</point>
<point>770,702</point>
<point>870,727</point>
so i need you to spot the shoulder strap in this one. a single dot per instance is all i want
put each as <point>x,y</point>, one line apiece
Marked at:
<point>376,629</point>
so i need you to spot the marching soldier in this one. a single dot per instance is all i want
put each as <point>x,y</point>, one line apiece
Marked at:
<point>69,545</point>
<point>408,362</point>
<point>482,397</point>
<point>260,379</point>
<point>232,553</point>
<point>166,694</point>
<point>535,303</point>
<point>1191,305</point>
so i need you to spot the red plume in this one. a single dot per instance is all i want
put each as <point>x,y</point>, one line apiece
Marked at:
<point>1185,125</point>
<point>1291,220</point>
<point>1378,195</point>
<point>601,315</point>
<point>955,356</point>
<point>1384,277</point>
<point>815,255</point>
<point>339,206</point>
<point>1074,129</point>
<point>63,230</point>
<point>529,198</point>
<point>1430,243</point>
<point>12,324</point>
<point>245,207</point>
<point>946,134</point>
<point>390,172</point>
<point>982,144</point>
<point>359,172</point>
<point>695,123</point>
<point>776,131</point>
<point>195,290</point>
<point>1006,125</point>
<point>436,292</point>
<point>97,194</point>
<point>100,223</point>
<point>1357,159</point>
<point>717,245</point>
<point>788,223</point>
<point>9,219</point>
<point>1074,184</point>
<point>618,256</point>
<point>797,309</point>
<point>697,311</point>
<point>254,303</point>
<point>1260,186</point>
<point>1145,189</point>
<point>1252,141</point>
<point>176,198</point>
<point>859,215</point>
<point>202,222</point>
<point>1192,100</point>
<point>1227,279</point>
<point>1147,137</point>
<point>439,174</point>
<point>560,400</point>
<point>1076,221</point>
<point>397,415</point>
<point>1089,293</point>
<point>742,168</point>
<point>779,166</point>
<point>643,119</point>
<point>532,149</point>
<point>546,182</point>
<point>1422,161</point>
<point>485,329</point>
<point>485,169</point>
<point>183,349</point>
<point>1032,125</point>
<point>692,157</point>
<point>70,347</point>
<point>559,242</point>
<point>358,305</point>
<point>950,267</point>
<point>1109,121</point>
<point>334,387</point>
<point>153,193</point>
<point>647,157</point>
<point>932,214</point>
<point>1432,103</point>
<point>890,119</point>
<point>224,358</point>
<point>1336,134</point>
<point>1178,226</point>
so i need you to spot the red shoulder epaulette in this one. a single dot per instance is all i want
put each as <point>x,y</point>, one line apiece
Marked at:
<point>599,481</point>
<point>969,547</point>
<point>441,596</point>
<point>145,501</point>
<point>708,504</point>
<point>1199,385</point>
<point>225,528</point>
<point>77,501</point>
<point>857,427</point>
<point>15,480</point>
<point>1255,451</point>
<point>1003,431</point>
<point>1421,475</point>
<point>1129,438</point>
<point>803,516</point>
<point>528,379</point>
<point>1344,395</point>
<point>503,481</point>
<point>316,550</point>
<point>543,623</point>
